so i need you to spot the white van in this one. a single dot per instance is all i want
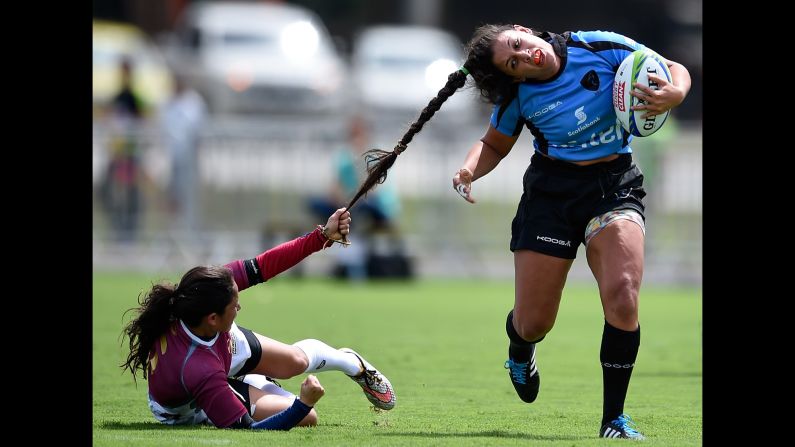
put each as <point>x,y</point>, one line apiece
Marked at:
<point>400,68</point>
<point>258,57</point>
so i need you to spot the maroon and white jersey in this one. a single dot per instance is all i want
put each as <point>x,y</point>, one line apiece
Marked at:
<point>188,379</point>
<point>188,376</point>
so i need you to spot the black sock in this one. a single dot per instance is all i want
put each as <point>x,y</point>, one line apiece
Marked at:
<point>618,353</point>
<point>519,349</point>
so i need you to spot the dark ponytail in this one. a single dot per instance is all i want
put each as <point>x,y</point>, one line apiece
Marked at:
<point>200,292</point>
<point>153,320</point>
<point>379,162</point>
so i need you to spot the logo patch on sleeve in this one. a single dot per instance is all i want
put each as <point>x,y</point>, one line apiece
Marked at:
<point>590,81</point>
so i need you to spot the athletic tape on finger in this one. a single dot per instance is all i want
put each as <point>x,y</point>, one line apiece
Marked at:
<point>460,189</point>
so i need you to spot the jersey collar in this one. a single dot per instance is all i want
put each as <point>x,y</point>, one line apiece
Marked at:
<point>196,339</point>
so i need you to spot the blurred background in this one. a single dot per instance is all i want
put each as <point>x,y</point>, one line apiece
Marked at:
<point>222,128</point>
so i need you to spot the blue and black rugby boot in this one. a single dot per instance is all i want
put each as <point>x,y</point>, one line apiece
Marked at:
<point>621,427</point>
<point>524,376</point>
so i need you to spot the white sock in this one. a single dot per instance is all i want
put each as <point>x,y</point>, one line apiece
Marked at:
<point>323,357</point>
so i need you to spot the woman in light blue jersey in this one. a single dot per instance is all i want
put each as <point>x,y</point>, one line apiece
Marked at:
<point>581,186</point>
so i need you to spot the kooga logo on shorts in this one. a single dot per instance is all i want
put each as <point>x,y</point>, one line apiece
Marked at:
<point>554,241</point>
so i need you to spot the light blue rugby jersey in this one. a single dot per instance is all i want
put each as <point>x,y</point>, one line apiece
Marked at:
<point>571,115</point>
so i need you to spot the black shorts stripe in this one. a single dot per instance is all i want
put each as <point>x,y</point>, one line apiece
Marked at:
<point>241,392</point>
<point>256,352</point>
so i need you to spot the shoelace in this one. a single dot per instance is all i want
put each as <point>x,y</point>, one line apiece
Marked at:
<point>368,373</point>
<point>626,423</point>
<point>372,375</point>
<point>518,371</point>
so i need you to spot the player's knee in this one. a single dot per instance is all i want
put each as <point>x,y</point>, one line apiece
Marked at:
<point>310,420</point>
<point>623,287</point>
<point>289,364</point>
<point>622,297</point>
<point>298,363</point>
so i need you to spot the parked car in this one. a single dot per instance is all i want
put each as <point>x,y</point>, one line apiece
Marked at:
<point>113,41</point>
<point>258,57</point>
<point>399,68</point>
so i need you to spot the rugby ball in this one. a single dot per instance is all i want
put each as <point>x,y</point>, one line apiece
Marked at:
<point>636,68</point>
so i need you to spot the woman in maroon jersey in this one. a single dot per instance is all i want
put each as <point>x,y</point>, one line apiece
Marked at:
<point>203,368</point>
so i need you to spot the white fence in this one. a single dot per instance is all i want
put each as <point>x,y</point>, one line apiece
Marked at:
<point>257,173</point>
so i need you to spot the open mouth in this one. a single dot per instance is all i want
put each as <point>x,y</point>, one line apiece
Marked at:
<point>538,57</point>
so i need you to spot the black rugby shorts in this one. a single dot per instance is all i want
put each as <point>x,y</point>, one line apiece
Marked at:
<point>560,198</point>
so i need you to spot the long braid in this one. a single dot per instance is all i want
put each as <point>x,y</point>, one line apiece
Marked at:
<point>379,161</point>
<point>494,86</point>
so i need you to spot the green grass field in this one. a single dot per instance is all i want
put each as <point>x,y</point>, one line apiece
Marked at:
<point>442,344</point>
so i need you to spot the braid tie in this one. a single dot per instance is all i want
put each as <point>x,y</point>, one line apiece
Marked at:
<point>399,148</point>
<point>176,294</point>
